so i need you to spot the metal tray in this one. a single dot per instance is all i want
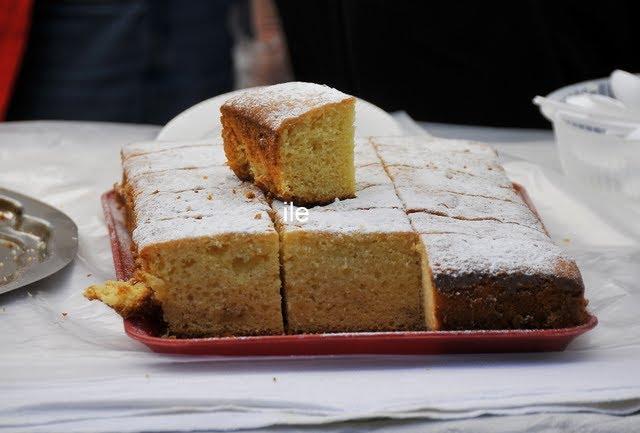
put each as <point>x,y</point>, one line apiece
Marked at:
<point>36,240</point>
<point>149,331</point>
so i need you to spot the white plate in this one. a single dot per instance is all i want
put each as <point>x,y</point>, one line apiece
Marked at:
<point>203,121</point>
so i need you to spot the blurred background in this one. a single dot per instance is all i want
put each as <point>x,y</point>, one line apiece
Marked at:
<point>464,62</point>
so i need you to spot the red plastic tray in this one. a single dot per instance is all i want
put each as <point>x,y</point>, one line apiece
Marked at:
<point>147,331</point>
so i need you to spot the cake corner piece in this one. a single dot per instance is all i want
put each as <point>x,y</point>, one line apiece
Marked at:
<point>203,272</point>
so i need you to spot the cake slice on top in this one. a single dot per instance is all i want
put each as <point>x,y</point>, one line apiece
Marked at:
<point>294,140</point>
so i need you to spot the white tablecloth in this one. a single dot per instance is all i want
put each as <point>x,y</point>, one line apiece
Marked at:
<point>79,372</point>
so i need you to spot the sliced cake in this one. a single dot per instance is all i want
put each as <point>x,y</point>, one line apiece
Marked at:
<point>294,140</point>
<point>202,240</point>
<point>213,276</point>
<point>350,270</point>
<point>487,262</point>
<point>488,274</point>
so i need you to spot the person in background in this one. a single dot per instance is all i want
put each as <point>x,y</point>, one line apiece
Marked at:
<point>260,49</point>
<point>140,61</point>
<point>457,62</point>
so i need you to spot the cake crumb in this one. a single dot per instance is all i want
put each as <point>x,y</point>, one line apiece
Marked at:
<point>258,216</point>
<point>205,177</point>
<point>250,195</point>
<point>89,275</point>
<point>64,314</point>
<point>566,240</point>
<point>209,196</point>
<point>275,379</point>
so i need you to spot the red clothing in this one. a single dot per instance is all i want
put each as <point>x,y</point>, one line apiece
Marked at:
<point>15,18</point>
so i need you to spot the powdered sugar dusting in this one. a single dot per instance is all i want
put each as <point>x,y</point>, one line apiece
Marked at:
<point>350,221</point>
<point>470,219</point>
<point>476,165</point>
<point>176,180</point>
<point>161,231</point>
<point>485,247</point>
<point>426,223</point>
<point>187,191</point>
<point>372,174</point>
<point>374,196</point>
<point>454,178</point>
<point>240,202</point>
<point>175,158</point>
<point>271,106</point>
<point>421,147</point>
<point>459,182</point>
<point>455,254</point>
<point>141,148</point>
<point>364,153</point>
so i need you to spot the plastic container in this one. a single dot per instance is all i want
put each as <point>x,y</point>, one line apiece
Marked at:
<point>599,154</point>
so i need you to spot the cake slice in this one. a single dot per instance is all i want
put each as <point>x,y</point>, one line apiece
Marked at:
<point>294,140</point>
<point>351,270</point>
<point>202,240</point>
<point>493,275</point>
<point>148,169</point>
<point>213,276</point>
